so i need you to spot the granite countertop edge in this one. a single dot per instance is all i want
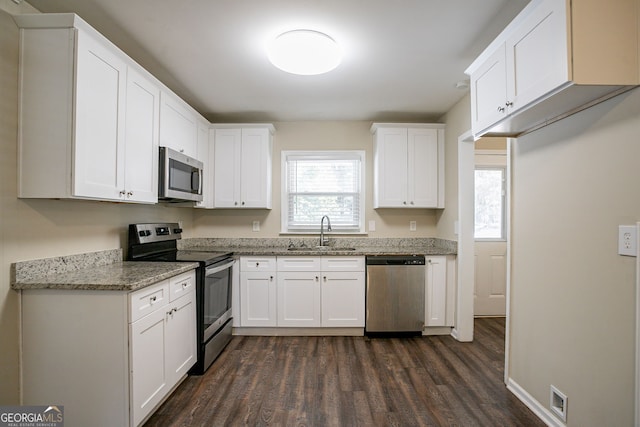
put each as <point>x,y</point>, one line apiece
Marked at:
<point>120,276</point>
<point>260,251</point>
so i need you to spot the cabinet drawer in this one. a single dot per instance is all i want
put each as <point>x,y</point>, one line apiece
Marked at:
<point>181,285</point>
<point>339,263</point>
<point>298,263</point>
<point>258,263</point>
<point>147,300</point>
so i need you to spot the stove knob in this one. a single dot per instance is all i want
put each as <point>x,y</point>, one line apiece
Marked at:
<point>177,230</point>
<point>141,233</point>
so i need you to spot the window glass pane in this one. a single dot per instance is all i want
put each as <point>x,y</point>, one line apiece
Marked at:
<point>323,183</point>
<point>489,203</point>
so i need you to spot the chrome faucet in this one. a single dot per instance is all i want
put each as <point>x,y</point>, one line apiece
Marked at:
<point>323,241</point>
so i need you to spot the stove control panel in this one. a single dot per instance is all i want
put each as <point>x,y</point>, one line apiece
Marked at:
<point>154,232</point>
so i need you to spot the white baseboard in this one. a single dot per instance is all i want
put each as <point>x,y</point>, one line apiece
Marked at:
<point>541,412</point>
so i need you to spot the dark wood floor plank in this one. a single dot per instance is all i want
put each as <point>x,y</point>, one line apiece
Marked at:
<point>352,381</point>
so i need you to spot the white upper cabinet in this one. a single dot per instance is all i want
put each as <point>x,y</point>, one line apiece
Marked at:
<point>141,136</point>
<point>408,165</point>
<point>178,125</point>
<point>95,134</point>
<point>242,166</point>
<point>555,57</point>
<point>100,87</point>
<point>91,119</point>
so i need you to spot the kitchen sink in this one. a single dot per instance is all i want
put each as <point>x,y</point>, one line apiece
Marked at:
<point>321,249</point>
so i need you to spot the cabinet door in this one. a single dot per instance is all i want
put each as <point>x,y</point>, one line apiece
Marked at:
<point>436,292</point>
<point>299,299</point>
<point>141,136</point>
<point>258,298</point>
<point>99,115</point>
<point>148,373</point>
<point>255,175</point>
<point>205,154</point>
<point>180,350</point>
<point>390,175</point>
<point>422,170</point>
<point>178,125</point>
<point>489,92</point>
<point>537,55</point>
<point>227,152</point>
<point>343,299</point>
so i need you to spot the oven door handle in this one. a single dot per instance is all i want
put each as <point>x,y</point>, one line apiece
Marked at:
<point>216,269</point>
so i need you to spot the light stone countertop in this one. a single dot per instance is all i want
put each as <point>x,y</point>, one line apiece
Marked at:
<point>121,276</point>
<point>105,270</point>
<point>102,271</point>
<point>336,247</point>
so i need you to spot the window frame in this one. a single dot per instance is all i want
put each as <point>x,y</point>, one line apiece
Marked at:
<point>320,154</point>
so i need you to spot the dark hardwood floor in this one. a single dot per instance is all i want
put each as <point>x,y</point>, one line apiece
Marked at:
<point>352,381</point>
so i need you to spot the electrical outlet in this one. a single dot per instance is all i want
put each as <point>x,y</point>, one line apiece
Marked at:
<point>412,226</point>
<point>627,240</point>
<point>256,225</point>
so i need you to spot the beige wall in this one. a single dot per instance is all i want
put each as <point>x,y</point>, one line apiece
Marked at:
<point>458,121</point>
<point>31,229</point>
<point>572,296</point>
<point>317,136</point>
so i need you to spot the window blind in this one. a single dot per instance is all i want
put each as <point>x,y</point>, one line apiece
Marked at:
<point>324,184</point>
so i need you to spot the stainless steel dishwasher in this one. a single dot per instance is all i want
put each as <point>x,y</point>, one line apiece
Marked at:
<point>395,294</point>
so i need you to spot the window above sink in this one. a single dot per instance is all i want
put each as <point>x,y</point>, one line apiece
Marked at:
<point>317,183</point>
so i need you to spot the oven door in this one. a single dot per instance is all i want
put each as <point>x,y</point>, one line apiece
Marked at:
<point>216,297</point>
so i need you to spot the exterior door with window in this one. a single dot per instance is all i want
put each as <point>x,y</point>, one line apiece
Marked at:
<point>490,234</point>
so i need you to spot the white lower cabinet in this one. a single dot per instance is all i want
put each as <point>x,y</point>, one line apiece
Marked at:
<point>440,291</point>
<point>163,343</point>
<point>299,291</point>
<point>110,357</point>
<point>258,291</point>
<point>343,291</point>
<point>302,291</point>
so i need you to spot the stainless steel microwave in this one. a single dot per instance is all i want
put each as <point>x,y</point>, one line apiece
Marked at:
<point>180,177</point>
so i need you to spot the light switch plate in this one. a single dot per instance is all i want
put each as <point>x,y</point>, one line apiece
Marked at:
<point>627,240</point>
<point>372,225</point>
<point>412,226</point>
<point>256,225</point>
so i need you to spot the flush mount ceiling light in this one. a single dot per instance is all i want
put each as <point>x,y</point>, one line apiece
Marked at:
<point>305,52</point>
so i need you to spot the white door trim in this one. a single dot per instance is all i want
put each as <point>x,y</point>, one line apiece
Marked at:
<point>637,400</point>
<point>463,330</point>
<point>507,332</point>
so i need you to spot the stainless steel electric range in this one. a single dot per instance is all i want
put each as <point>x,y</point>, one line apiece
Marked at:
<point>158,242</point>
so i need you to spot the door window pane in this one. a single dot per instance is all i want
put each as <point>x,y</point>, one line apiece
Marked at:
<point>489,203</point>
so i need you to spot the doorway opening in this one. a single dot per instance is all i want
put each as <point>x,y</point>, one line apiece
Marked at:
<point>466,242</point>
<point>491,203</point>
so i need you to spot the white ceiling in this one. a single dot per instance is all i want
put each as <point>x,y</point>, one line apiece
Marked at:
<point>402,58</point>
